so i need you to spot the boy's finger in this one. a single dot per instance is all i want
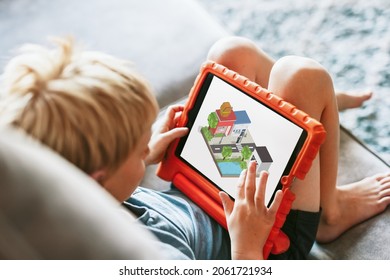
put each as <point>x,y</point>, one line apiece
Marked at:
<point>171,115</point>
<point>176,107</point>
<point>173,109</point>
<point>250,183</point>
<point>241,183</point>
<point>177,117</point>
<point>260,189</point>
<point>276,203</point>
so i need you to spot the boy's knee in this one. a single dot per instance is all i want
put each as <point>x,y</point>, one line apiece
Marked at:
<point>302,81</point>
<point>236,53</point>
<point>301,69</point>
<point>230,46</point>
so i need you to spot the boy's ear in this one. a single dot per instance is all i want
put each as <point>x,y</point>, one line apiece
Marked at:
<point>99,175</point>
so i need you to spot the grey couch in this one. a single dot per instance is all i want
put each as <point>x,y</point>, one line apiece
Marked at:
<point>168,41</point>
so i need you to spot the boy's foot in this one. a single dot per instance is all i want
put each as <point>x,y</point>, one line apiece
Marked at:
<point>356,203</point>
<point>346,100</point>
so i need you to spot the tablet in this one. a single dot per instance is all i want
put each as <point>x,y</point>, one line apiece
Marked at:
<point>233,121</point>
<point>228,128</point>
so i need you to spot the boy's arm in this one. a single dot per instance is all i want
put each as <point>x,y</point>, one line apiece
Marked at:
<point>249,220</point>
<point>165,134</point>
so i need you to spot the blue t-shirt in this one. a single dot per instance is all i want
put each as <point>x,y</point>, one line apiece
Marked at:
<point>185,231</point>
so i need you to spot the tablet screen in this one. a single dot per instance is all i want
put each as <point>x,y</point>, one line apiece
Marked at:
<point>229,128</point>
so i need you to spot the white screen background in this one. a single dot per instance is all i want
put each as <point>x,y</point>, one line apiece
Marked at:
<point>267,128</point>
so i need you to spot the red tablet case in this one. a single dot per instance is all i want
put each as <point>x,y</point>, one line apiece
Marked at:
<point>204,194</point>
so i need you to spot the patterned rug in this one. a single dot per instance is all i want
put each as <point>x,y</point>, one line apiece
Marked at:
<point>351,38</point>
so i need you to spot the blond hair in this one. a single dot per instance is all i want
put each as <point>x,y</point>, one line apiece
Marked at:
<point>88,106</point>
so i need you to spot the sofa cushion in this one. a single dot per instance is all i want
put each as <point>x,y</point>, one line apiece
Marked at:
<point>368,240</point>
<point>51,210</point>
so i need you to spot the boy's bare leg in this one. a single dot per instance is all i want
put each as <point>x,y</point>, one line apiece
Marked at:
<point>306,84</point>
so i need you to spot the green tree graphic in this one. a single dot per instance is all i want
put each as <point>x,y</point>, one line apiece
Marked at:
<point>213,120</point>
<point>227,151</point>
<point>243,165</point>
<point>246,153</point>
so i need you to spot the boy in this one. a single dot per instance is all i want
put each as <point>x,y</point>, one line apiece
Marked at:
<point>96,113</point>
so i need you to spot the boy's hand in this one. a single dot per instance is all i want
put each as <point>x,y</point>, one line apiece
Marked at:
<point>163,136</point>
<point>249,220</point>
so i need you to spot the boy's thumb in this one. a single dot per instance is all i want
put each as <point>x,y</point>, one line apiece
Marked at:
<point>177,132</point>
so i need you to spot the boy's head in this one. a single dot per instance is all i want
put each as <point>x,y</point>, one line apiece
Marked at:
<point>89,107</point>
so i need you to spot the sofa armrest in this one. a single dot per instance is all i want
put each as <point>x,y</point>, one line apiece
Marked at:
<point>49,209</point>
